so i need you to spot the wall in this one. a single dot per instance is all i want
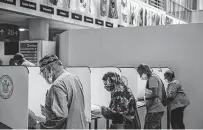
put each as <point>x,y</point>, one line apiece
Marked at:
<point>197,16</point>
<point>178,47</point>
<point>4,58</point>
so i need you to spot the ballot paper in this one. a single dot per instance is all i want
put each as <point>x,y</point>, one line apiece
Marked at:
<point>96,110</point>
<point>140,104</point>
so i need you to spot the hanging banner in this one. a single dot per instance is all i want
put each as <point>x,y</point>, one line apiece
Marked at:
<point>113,12</point>
<point>65,4</point>
<point>153,18</point>
<point>145,18</point>
<point>157,19</point>
<point>168,20</point>
<point>103,8</point>
<point>124,11</point>
<point>149,18</point>
<point>141,16</point>
<point>133,14</point>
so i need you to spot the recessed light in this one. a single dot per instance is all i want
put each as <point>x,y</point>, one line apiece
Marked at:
<point>22,29</point>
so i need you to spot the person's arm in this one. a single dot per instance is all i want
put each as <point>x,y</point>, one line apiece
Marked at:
<point>152,91</point>
<point>59,102</point>
<point>172,91</point>
<point>108,113</point>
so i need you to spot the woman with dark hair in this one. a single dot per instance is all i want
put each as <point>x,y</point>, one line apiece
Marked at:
<point>123,108</point>
<point>153,97</point>
<point>177,98</point>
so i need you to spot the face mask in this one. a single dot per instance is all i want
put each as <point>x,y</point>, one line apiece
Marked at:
<point>144,76</point>
<point>166,80</point>
<point>49,76</point>
<point>109,86</point>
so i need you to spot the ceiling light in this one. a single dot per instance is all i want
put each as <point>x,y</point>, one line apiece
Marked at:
<point>22,29</point>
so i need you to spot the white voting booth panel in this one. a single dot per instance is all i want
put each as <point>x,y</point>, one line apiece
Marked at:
<point>37,91</point>
<point>130,75</point>
<point>14,96</point>
<point>99,95</point>
<point>83,73</point>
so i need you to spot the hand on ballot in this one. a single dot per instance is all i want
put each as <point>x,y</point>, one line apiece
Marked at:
<point>96,110</point>
<point>140,104</point>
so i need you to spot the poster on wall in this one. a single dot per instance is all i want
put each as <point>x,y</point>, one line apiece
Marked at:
<point>113,12</point>
<point>168,21</point>
<point>153,18</point>
<point>83,5</point>
<point>64,4</point>
<point>149,19</point>
<point>103,8</point>
<point>86,6</point>
<point>124,10</point>
<point>157,19</point>
<point>163,19</point>
<point>133,14</point>
<point>145,18</point>
<point>141,16</point>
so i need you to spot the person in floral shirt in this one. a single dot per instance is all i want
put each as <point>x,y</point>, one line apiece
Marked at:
<point>122,109</point>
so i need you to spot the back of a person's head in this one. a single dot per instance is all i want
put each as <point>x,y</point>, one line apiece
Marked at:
<point>169,75</point>
<point>143,68</point>
<point>18,56</point>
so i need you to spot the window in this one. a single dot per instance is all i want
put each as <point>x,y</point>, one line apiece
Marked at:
<point>11,48</point>
<point>200,4</point>
<point>160,4</point>
<point>194,5</point>
<point>180,9</point>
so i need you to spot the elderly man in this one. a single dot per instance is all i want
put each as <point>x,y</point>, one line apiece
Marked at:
<point>64,106</point>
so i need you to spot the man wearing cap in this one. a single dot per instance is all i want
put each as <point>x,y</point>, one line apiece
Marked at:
<point>153,97</point>
<point>19,59</point>
<point>64,105</point>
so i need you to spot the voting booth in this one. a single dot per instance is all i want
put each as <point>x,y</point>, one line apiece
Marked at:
<point>38,88</point>
<point>23,89</point>
<point>14,96</point>
<point>37,92</point>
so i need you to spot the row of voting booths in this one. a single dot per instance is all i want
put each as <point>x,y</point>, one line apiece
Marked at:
<point>23,89</point>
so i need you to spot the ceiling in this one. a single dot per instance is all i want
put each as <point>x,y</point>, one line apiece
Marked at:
<point>55,27</point>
